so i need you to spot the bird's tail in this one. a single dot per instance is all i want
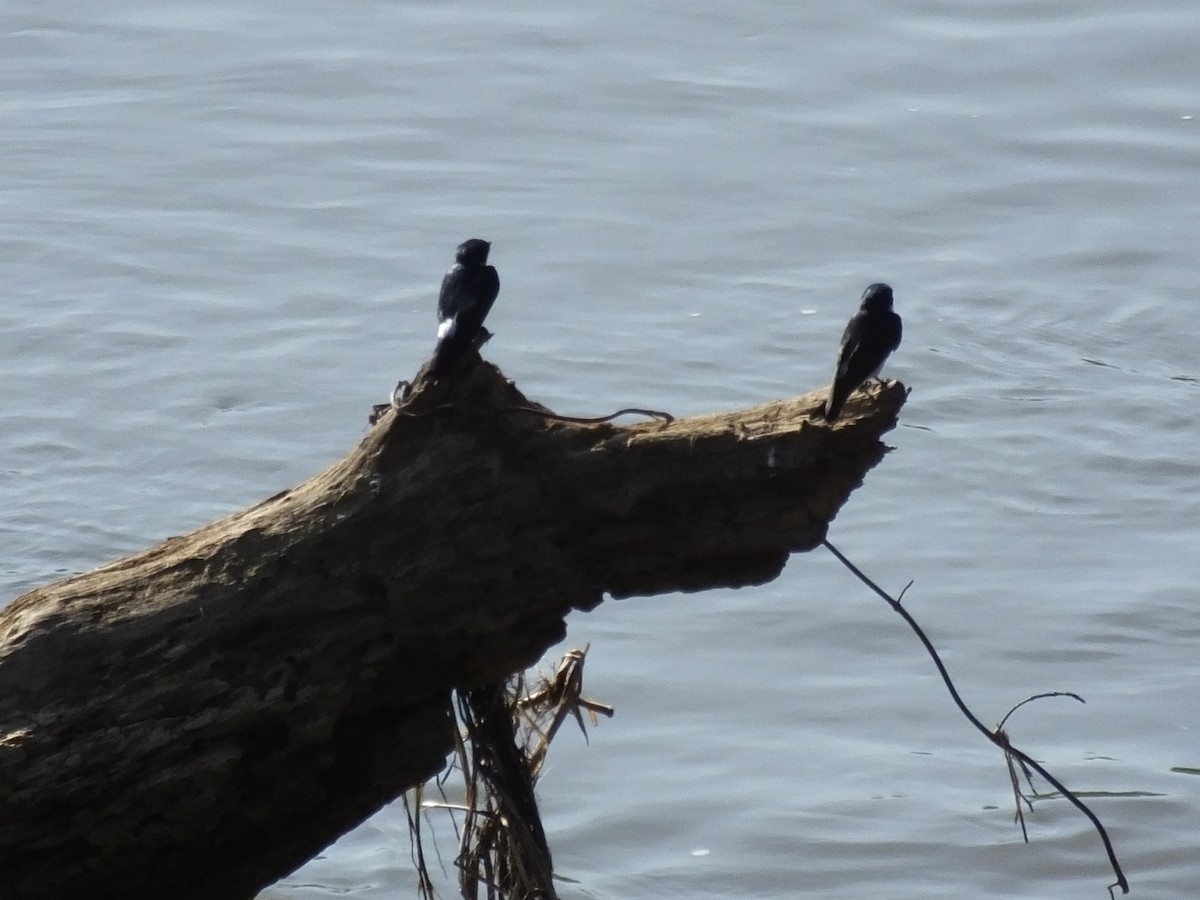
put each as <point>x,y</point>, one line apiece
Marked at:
<point>447,354</point>
<point>833,404</point>
<point>453,347</point>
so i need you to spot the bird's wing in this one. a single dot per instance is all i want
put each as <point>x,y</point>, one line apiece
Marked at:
<point>866,346</point>
<point>851,349</point>
<point>448,298</point>
<point>467,300</point>
<point>489,289</point>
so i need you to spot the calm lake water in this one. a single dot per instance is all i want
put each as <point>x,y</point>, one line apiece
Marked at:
<point>222,227</point>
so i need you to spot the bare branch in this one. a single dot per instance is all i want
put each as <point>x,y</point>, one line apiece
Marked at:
<point>997,737</point>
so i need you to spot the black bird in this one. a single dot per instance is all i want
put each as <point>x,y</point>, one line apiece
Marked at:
<point>871,335</point>
<point>468,291</point>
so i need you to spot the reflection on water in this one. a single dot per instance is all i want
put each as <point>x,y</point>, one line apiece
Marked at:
<point>221,233</point>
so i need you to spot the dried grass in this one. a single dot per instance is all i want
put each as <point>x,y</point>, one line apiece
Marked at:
<point>505,733</point>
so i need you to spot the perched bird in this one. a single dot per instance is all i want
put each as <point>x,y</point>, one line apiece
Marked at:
<point>468,291</point>
<point>871,335</point>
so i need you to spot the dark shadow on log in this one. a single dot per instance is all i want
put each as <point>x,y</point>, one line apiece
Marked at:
<point>199,719</point>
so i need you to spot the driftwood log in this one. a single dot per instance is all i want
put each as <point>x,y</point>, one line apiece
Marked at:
<point>198,720</point>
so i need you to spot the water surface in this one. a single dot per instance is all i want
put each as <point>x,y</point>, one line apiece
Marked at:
<point>221,234</point>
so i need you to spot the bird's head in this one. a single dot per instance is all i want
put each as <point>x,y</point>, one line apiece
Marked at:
<point>877,298</point>
<point>473,252</point>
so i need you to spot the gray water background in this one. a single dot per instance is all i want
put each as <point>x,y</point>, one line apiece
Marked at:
<point>222,227</point>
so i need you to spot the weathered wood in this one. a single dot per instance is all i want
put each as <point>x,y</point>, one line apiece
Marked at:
<point>197,720</point>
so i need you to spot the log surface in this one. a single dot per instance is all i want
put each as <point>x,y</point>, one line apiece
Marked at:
<point>197,720</point>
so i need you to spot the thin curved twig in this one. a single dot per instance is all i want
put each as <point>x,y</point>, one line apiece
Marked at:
<point>664,417</point>
<point>1011,761</point>
<point>403,388</point>
<point>997,737</point>
<point>1041,696</point>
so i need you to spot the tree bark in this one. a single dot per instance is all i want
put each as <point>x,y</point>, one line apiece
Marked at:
<point>197,720</point>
